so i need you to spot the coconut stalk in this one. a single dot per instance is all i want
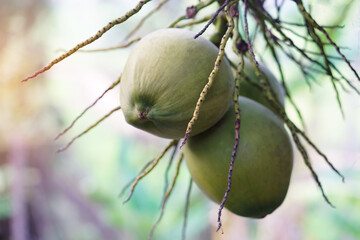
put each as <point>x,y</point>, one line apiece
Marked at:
<point>276,33</point>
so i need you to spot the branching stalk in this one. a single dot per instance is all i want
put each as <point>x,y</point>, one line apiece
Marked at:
<point>87,130</point>
<point>91,39</point>
<point>210,81</point>
<point>149,169</point>
<point>124,45</point>
<point>167,195</point>
<point>239,73</point>
<point>197,8</point>
<point>195,22</point>
<point>146,17</point>
<point>86,109</point>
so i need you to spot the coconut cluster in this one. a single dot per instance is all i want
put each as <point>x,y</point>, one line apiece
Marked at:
<point>162,81</point>
<point>160,85</point>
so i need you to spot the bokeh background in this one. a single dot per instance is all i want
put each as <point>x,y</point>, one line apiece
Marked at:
<point>75,194</point>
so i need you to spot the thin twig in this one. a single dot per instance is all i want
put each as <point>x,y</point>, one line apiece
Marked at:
<point>317,39</point>
<point>124,45</point>
<point>239,71</point>
<point>320,54</point>
<point>87,130</point>
<point>272,99</point>
<point>191,23</point>
<point>294,132</point>
<point>208,85</point>
<point>171,160</point>
<point>179,19</point>
<point>311,22</point>
<point>301,36</point>
<point>91,39</point>
<point>127,185</point>
<point>149,169</point>
<point>319,152</point>
<point>236,143</point>
<point>86,109</point>
<point>147,16</point>
<point>304,25</point>
<point>265,30</point>
<point>212,19</point>
<point>166,196</point>
<point>247,33</point>
<point>198,7</point>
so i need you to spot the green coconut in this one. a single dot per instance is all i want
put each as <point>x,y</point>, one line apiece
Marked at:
<point>252,89</point>
<point>263,164</point>
<point>162,81</point>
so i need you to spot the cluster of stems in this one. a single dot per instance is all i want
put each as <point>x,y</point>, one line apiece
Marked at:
<point>231,20</point>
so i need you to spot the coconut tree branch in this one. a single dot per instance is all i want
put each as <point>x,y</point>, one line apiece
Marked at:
<point>149,169</point>
<point>167,195</point>
<point>210,81</point>
<point>171,160</point>
<point>124,45</point>
<point>147,16</point>
<point>247,33</point>
<point>87,130</point>
<point>270,44</point>
<point>274,102</point>
<point>91,39</point>
<point>201,20</point>
<point>86,109</point>
<point>303,25</point>
<point>127,185</point>
<point>239,75</point>
<point>212,19</point>
<point>196,9</point>
<point>311,22</point>
<point>294,132</point>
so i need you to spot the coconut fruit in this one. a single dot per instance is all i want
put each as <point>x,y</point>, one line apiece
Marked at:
<point>262,167</point>
<point>253,90</point>
<point>162,81</point>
